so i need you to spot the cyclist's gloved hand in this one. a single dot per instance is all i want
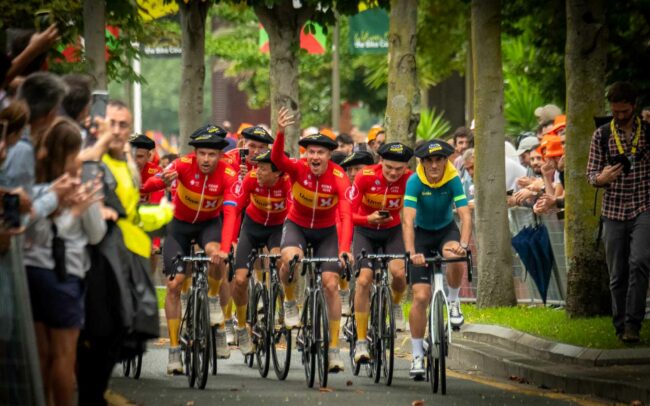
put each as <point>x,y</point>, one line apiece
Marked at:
<point>342,255</point>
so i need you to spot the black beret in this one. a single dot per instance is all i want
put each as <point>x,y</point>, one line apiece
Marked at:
<point>209,129</point>
<point>338,157</point>
<point>266,158</point>
<point>318,139</point>
<point>357,158</point>
<point>434,147</point>
<point>143,142</point>
<point>395,151</point>
<point>209,140</point>
<point>257,134</point>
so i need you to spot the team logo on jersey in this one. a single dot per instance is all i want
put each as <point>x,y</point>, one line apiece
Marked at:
<point>152,171</point>
<point>337,173</point>
<point>230,172</point>
<point>394,189</point>
<point>326,188</point>
<point>310,199</point>
<point>325,201</point>
<point>271,205</point>
<point>377,182</point>
<point>394,203</point>
<point>186,159</point>
<point>368,172</point>
<point>352,192</point>
<point>193,200</point>
<point>236,188</point>
<point>213,187</point>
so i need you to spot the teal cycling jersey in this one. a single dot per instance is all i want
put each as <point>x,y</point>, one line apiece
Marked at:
<point>434,202</point>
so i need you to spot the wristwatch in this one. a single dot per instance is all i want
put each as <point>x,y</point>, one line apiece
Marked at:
<point>464,246</point>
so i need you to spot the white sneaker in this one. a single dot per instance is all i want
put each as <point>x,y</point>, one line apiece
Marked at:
<point>398,316</point>
<point>244,339</point>
<point>216,313</point>
<point>223,351</point>
<point>230,332</point>
<point>291,315</point>
<point>335,363</point>
<point>174,365</point>
<point>417,367</point>
<point>345,302</point>
<point>361,354</point>
<point>456,315</point>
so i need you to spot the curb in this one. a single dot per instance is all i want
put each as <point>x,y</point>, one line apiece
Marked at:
<point>540,348</point>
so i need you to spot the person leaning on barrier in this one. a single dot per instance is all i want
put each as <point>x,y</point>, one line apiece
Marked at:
<point>619,162</point>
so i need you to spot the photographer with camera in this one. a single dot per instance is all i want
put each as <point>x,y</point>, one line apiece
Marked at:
<point>619,162</point>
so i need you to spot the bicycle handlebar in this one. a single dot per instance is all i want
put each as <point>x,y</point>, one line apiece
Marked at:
<point>318,260</point>
<point>179,262</point>
<point>364,255</point>
<point>438,260</point>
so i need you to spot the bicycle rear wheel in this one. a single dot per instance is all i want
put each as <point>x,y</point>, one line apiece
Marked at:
<point>321,339</point>
<point>202,334</point>
<point>439,340</point>
<point>251,314</point>
<point>305,340</point>
<point>280,336</point>
<point>188,339</point>
<point>387,335</point>
<point>350,332</point>
<point>213,349</point>
<point>136,366</point>
<point>260,332</point>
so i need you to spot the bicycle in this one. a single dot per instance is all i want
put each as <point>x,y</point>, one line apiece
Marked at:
<point>439,326</point>
<point>312,339</point>
<point>381,331</point>
<point>195,337</point>
<point>132,364</point>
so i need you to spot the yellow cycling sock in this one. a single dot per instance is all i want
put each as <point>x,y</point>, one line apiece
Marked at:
<point>258,275</point>
<point>214,286</point>
<point>173,325</point>
<point>344,284</point>
<point>187,282</point>
<point>227,313</point>
<point>362,325</point>
<point>290,292</point>
<point>397,296</point>
<point>241,315</point>
<point>334,333</point>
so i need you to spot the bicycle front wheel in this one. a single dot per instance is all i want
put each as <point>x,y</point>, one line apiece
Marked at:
<point>387,336</point>
<point>201,344</point>
<point>305,341</point>
<point>280,336</point>
<point>438,335</point>
<point>260,332</point>
<point>321,339</point>
<point>136,366</point>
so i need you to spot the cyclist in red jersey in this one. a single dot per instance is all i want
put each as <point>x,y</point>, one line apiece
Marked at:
<point>264,195</point>
<point>257,141</point>
<point>205,187</point>
<point>319,188</point>
<point>143,146</point>
<point>377,198</point>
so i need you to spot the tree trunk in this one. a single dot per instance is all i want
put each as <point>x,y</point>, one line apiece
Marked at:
<point>193,16</point>
<point>283,24</point>
<point>495,284</point>
<point>402,107</point>
<point>585,60</point>
<point>95,41</point>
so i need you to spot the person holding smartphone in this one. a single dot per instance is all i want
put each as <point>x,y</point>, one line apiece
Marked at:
<point>144,147</point>
<point>256,141</point>
<point>377,196</point>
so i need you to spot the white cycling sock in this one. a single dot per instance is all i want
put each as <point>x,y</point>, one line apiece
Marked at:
<point>417,345</point>
<point>453,294</point>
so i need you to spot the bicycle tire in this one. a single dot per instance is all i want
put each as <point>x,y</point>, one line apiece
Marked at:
<point>261,333</point>
<point>190,370</point>
<point>350,332</point>
<point>373,368</point>
<point>251,315</point>
<point>321,339</point>
<point>126,367</point>
<point>213,349</point>
<point>387,334</point>
<point>305,333</point>
<point>439,340</point>
<point>202,334</point>
<point>279,335</point>
<point>136,366</point>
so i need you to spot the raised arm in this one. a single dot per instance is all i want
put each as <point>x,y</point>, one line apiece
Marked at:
<point>280,160</point>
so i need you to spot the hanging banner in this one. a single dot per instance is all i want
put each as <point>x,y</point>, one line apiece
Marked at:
<point>369,32</point>
<point>313,43</point>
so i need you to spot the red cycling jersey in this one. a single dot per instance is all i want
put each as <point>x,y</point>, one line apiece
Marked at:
<point>200,197</point>
<point>268,205</point>
<point>316,198</point>
<point>148,170</point>
<point>371,192</point>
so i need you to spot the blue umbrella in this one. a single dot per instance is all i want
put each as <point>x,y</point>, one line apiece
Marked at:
<point>533,245</point>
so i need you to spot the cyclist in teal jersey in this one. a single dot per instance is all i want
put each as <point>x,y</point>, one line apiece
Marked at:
<point>428,225</point>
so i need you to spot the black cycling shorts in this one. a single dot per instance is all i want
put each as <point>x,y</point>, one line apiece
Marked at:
<point>180,235</point>
<point>325,242</point>
<point>428,242</point>
<point>389,240</point>
<point>253,235</point>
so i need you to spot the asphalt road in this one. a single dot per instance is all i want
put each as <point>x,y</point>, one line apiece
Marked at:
<point>237,384</point>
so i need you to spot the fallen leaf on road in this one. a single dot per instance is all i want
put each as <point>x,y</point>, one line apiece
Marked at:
<point>359,392</point>
<point>189,403</point>
<point>417,403</point>
<point>348,383</point>
<point>325,390</point>
<point>162,341</point>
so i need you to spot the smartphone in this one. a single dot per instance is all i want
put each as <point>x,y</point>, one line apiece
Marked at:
<point>384,213</point>
<point>243,153</point>
<point>91,171</point>
<point>98,104</point>
<point>43,19</point>
<point>11,210</point>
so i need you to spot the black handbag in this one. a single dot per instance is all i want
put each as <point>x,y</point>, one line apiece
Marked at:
<point>58,253</point>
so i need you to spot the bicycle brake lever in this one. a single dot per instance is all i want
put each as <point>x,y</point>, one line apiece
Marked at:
<point>292,264</point>
<point>469,265</point>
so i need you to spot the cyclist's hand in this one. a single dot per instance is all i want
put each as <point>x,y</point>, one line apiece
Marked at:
<point>456,249</point>
<point>220,258</point>
<point>243,170</point>
<point>169,177</point>
<point>349,258</point>
<point>376,218</point>
<point>418,259</point>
